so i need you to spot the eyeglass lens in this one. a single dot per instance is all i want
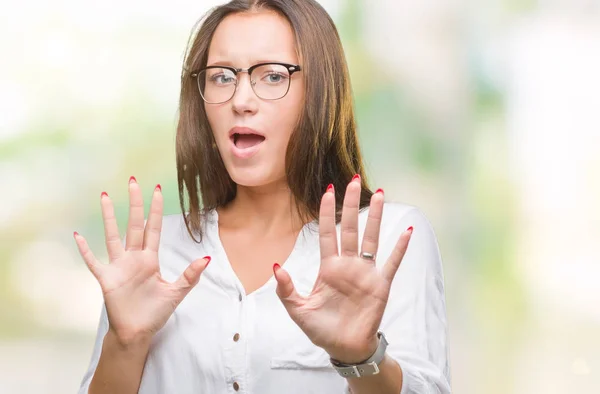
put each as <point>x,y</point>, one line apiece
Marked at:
<point>269,82</point>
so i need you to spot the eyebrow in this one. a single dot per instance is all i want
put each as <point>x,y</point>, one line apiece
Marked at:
<point>230,64</point>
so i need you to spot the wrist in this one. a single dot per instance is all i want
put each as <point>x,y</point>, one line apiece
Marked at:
<point>365,367</point>
<point>128,342</point>
<point>355,353</point>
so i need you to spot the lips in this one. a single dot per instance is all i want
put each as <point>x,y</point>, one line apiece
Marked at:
<point>245,141</point>
<point>243,130</point>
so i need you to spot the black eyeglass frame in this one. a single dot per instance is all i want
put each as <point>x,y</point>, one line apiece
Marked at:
<point>292,68</point>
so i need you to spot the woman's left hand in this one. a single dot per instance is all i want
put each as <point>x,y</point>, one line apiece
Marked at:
<point>345,308</point>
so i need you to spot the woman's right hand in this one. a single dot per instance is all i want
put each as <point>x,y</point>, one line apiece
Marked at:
<point>138,300</point>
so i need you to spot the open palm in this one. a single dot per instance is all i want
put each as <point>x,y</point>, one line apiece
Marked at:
<point>138,300</point>
<point>345,308</point>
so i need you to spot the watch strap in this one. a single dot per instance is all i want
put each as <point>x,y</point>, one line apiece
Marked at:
<point>367,367</point>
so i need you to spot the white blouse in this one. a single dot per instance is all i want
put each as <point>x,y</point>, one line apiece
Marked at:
<point>220,340</point>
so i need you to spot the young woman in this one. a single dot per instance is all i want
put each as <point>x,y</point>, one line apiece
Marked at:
<point>305,292</point>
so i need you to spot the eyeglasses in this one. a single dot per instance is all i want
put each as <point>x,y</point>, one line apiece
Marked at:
<point>269,81</point>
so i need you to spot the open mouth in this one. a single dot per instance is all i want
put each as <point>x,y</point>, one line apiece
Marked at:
<point>244,141</point>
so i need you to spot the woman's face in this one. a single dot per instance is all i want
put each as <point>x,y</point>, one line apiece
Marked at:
<point>240,41</point>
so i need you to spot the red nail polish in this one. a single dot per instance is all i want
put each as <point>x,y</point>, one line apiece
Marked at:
<point>132,179</point>
<point>379,191</point>
<point>356,177</point>
<point>330,187</point>
<point>410,229</point>
<point>276,267</point>
<point>158,187</point>
<point>75,233</point>
<point>207,258</point>
<point>104,194</point>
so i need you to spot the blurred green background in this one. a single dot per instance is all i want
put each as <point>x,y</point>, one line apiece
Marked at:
<point>485,115</point>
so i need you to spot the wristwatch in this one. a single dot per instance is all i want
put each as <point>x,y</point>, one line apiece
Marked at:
<point>367,367</point>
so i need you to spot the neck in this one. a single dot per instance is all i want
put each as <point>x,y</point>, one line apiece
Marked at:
<point>268,209</point>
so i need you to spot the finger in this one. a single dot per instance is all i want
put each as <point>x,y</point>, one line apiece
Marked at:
<point>391,266</point>
<point>191,276</point>
<point>154,223</point>
<point>370,241</point>
<point>286,291</point>
<point>92,263</point>
<point>349,226</point>
<point>135,226</point>
<point>327,231</point>
<point>114,245</point>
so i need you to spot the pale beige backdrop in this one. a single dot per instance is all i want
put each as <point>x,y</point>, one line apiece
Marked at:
<point>483,114</point>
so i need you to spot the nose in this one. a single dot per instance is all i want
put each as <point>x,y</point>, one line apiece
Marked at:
<point>244,100</point>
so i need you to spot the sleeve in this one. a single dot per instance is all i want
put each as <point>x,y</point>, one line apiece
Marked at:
<point>102,330</point>
<point>414,321</point>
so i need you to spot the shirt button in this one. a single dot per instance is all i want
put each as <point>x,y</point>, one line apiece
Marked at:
<point>240,297</point>
<point>236,386</point>
<point>236,337</point>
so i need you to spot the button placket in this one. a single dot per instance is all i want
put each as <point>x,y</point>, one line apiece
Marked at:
<point>234,352</point>
<point>235,349</point>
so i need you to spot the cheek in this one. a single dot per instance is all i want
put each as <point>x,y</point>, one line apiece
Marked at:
<point>210,114</point>
<point>289,114</point>
<point>215,119</point>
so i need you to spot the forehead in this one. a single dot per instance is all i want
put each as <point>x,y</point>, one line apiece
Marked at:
<point>244,39</point>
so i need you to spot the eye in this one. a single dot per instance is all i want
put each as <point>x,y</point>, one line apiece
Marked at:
<point>274,77</point>
<point>222,79</point>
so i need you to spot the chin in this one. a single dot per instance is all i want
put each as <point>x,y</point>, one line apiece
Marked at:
<point>252,178</point>
<point>249,177</point>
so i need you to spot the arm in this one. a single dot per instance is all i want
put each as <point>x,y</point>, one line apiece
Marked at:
<point>354,296</point>
<point>115,367</point>
<point>120,367</point>
<point>136,297</point>
<point>388,380</point>
<point>415,318</point>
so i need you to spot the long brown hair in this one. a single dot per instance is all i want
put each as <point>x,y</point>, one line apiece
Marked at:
<point>322,149</point>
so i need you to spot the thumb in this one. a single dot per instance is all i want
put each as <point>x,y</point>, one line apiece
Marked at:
<point>285,289</point>
<point>191,275</point>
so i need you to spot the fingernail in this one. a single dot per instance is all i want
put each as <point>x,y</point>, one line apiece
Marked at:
<point>410,229</point>
<point>207,258</point>
<point>356,177</point>
<point>330,187</point>
<point>379,191</point>
<point>75,234</point>
<point>104,194</point>
<point>276,267</point>
<point>158,188</point>
<point>132,179</point>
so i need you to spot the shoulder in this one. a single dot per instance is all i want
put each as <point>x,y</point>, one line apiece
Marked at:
<point>399,216</point>
<point>423,251</point>
<point>396,210</point>
<point>177,247</point>
<point>174,229</point>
